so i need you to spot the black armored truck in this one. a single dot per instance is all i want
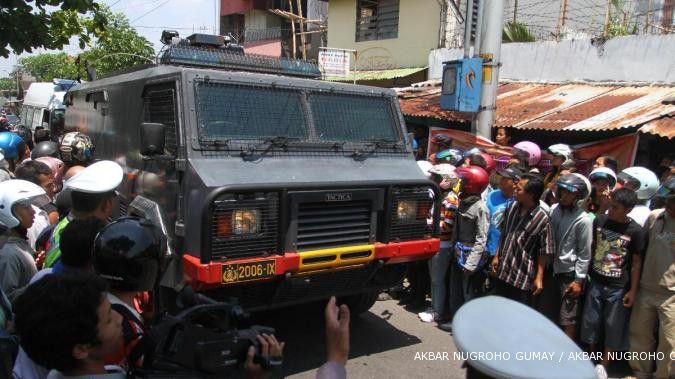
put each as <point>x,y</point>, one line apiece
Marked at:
<point>271,186</point>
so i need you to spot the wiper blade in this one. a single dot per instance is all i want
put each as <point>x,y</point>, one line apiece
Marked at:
<point>374,145</point>
<point>268,144</point>
<point>216,142</point>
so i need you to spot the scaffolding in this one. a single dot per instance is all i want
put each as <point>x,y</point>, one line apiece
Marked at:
<point>300,30</point>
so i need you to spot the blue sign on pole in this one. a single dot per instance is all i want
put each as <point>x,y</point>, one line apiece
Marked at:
<point>461,88</point>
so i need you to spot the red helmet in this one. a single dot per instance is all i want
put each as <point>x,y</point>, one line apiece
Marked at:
<point>474,179</point>
<point>490,164</point>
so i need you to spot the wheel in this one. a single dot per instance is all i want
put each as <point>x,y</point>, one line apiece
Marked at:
<point>360,303</point>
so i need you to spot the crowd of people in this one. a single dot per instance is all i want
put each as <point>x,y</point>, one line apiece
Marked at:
<point>595,253</point>
<point>72,282</point>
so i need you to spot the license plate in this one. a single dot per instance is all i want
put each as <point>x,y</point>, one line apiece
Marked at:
<point>241,272</point>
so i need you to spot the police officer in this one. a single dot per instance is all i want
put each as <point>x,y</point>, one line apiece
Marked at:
<point>127,254</point>
<point>519,343</point>
<point>92,192</point>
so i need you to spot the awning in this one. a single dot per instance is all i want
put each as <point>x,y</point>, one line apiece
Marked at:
<point>376,74</point>
<point>562,107</point>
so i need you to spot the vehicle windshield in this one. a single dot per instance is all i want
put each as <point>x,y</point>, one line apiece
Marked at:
<point>241,112</point>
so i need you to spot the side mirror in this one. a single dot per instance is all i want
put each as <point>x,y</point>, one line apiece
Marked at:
<point>152,138</point>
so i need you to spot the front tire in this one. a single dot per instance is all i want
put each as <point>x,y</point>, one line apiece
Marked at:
<point>360,303</point>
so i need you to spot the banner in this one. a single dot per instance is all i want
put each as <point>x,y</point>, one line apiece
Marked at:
<point>622,148</point>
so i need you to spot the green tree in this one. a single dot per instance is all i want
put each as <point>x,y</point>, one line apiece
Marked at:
<point>516,32</point>
<point>49,24</point>
<point>119,47</point>
<point>45,67</point>
<point>7,84</point>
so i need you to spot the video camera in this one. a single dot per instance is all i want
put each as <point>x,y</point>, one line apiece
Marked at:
<point>201,341</point>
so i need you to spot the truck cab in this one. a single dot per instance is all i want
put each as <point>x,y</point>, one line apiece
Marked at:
<point>43,105</point>
<point>271,186</point>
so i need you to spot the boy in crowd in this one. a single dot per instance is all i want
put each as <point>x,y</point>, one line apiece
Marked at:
<point>469,237</point>
<point>654,307</point>
<point>618,243</point>
<point>572,232</point>
<point>525,245</point>
<point>444,175</point>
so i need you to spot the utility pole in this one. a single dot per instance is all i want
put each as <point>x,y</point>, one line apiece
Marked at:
<point>648,21</point>
<point>561,19</point>
<point>490,50</point>
<point>605,31</point>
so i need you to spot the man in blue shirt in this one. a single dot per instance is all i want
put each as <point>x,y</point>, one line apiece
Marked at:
<point>497,201</point>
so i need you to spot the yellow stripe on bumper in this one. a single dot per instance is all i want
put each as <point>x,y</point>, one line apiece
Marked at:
<point>336,257</point>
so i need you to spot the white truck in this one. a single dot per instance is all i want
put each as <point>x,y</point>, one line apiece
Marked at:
<point>43,105</point>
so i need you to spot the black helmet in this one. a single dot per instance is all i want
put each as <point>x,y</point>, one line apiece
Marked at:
<point>127,253</point>
<point>45,149</point>
<point>667,189</point>
<point>575,183</point>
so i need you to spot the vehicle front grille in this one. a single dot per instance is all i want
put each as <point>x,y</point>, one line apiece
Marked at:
<point>331,224</point>
<point>415,226</point>
<point>234,234</point>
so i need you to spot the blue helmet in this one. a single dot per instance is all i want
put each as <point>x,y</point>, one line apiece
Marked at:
<point>9,143</point>
<point>451,156</point>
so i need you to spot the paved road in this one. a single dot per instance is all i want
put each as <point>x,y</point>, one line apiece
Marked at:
<point>384,342</point>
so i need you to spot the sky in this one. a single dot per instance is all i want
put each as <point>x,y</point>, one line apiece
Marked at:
<point>149,17</point>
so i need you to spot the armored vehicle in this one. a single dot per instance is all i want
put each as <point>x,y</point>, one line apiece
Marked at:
<point>272,187</point>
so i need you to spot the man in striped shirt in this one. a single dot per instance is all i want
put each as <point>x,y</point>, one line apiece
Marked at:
<point>525,245</point>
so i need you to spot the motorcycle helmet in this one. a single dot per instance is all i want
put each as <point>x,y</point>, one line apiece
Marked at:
<point>605,173</point>
<point>450,156</point>
<point>490,164</point>
<point>9,143</point>
<point>76,148</point>
<point>12,192</point>
<point>445,170</point>
<point>641,180</point>
<point>58,170</point>
<point>529,150</point>
<point>127,253</point>
<point>45,149</point>
<point>474,179</point>
<point>560,149</point>
<point>667,189</point>
<point>575,183</point>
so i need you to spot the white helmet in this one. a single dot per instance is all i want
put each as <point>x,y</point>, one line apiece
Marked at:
<point>425,166</point>
<point>561,149</point>
<point>12,192</point>
<point>446,170</point>
<point>603,173</point>
<point>644,181</point>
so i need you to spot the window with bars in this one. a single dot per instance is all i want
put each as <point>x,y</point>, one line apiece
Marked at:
<point>159,105</point>
<point>376,19</point>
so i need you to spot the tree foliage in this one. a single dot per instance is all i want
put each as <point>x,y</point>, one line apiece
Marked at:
<point>7,84</point>
<point>49,24</point>
<point>45,67</point>
<point>118,47</point>
<point>516,32</point>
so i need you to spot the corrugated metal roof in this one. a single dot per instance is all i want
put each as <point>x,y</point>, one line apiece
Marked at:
<point>562,107</point>
<point>376,74</point>
<point>664,127</point>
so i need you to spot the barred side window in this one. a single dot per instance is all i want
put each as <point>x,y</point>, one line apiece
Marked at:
<point>159,105</point>
<point>376,19</point>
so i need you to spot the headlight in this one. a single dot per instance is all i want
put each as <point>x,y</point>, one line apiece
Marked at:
<point>238,222</point>
<point>245,221</point>
<point>406,210</point>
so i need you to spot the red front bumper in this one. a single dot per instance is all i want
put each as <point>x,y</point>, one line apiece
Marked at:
<point>210,275</point>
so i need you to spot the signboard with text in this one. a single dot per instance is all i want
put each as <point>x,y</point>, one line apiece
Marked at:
<point>334,62</point>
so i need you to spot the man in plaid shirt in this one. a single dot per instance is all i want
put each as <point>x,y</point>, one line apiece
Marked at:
<point>525,245</point>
